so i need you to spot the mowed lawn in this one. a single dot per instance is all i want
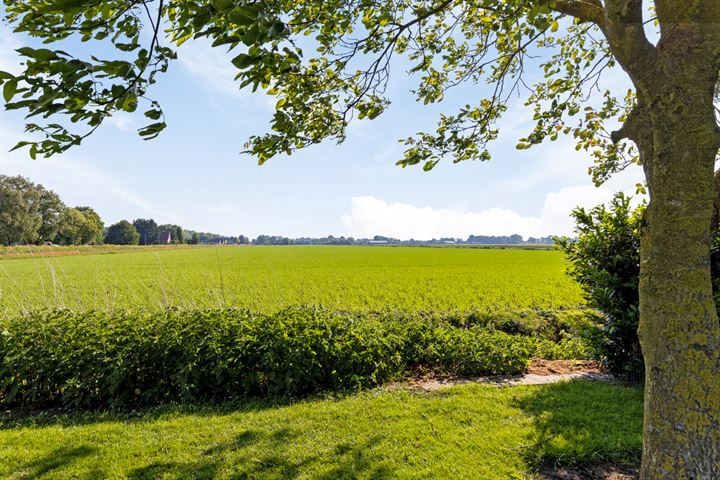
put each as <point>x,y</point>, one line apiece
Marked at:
<point>270,278</point>
<point>472,431</point>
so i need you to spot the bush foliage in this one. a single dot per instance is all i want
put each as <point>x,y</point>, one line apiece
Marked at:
<point>128,359</point>
<point>605,260</point>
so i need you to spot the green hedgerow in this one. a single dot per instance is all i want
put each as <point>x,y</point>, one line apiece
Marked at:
<point>137,358</point>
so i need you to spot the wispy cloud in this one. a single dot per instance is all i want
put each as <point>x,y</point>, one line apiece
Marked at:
<point>9,58</point>
<point>121,121</point>
<point>74,180</point>
<point>211,65</point>
<point>214,69</point>
<point>553,162</point>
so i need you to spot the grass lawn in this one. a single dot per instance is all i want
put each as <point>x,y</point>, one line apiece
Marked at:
<point>472,431</point>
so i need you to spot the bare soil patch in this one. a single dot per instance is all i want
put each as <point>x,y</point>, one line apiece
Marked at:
<point>540,372</point>
<point>594,472</point>
<point>551,367</point>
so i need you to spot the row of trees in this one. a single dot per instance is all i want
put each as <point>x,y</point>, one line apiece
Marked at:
<point>145,231</point>
<point>150,232</point>
<point>379,239</point>
<point>30,213</point>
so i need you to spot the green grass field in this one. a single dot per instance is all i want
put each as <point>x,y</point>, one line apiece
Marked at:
<point>270,278</point>
<point>472,432</point>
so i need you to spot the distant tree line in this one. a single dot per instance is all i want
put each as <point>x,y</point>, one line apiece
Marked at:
<point>145,231</point>
<point>32,214</point>
<point>381,240</point>
<point>214,238</point>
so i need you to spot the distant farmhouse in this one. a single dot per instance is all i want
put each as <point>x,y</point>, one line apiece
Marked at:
<point>165,237</point>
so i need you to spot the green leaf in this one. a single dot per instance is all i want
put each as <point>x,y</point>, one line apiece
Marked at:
<point>223,5</point>
<point>9,89</point>
<point>244,15</point>
<point>373,113</point>
<point>20,145</point>
<point>129,104</point>
<point>384,19</point>
<point>243,61</point>
<point>153,114</point>
<point>151,131</point>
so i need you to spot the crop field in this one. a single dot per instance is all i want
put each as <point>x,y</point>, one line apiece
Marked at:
<point>270,278</point>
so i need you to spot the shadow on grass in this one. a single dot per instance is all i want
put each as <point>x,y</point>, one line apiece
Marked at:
<point>580,423</point>
<point>56,459</point>
<point>15,419</point>
<point>349,460</point>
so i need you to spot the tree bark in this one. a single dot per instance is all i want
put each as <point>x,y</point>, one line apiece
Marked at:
<point>679,328</point>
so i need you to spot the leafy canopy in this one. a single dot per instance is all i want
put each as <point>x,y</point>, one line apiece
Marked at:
<point>328,62</point>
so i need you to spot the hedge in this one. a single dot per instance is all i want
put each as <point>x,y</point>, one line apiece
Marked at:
<point>139,358</point>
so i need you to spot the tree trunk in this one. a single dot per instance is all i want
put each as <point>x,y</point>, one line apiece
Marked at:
<point>679,328</point>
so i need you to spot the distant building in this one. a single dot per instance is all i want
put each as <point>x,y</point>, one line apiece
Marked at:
<point>221,241</point>
<point>165,237</point>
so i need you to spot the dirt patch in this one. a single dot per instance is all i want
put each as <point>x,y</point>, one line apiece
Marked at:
<point>595,472</point>
<point>550,367</point>
<point>540,372</point>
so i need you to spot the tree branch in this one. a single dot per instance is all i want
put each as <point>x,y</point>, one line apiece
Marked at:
<point>636,124</point>
<point>584,10</point>
<point>625,30</point>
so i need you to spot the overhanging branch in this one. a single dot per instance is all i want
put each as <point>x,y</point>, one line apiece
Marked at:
<point>625,30</point>
<point>583,10</point>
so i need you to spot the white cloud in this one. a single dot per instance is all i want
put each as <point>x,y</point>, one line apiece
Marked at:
<point>121,121</point>
<point>371,216</point>
<point>214,69</point>
<point>208,64</point>
<point>9,58</point>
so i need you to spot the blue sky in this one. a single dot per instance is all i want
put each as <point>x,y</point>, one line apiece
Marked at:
<point>194,175</point>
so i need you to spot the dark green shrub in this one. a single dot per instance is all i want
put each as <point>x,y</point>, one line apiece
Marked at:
<point>605,260</point>
<point>137,358</point>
